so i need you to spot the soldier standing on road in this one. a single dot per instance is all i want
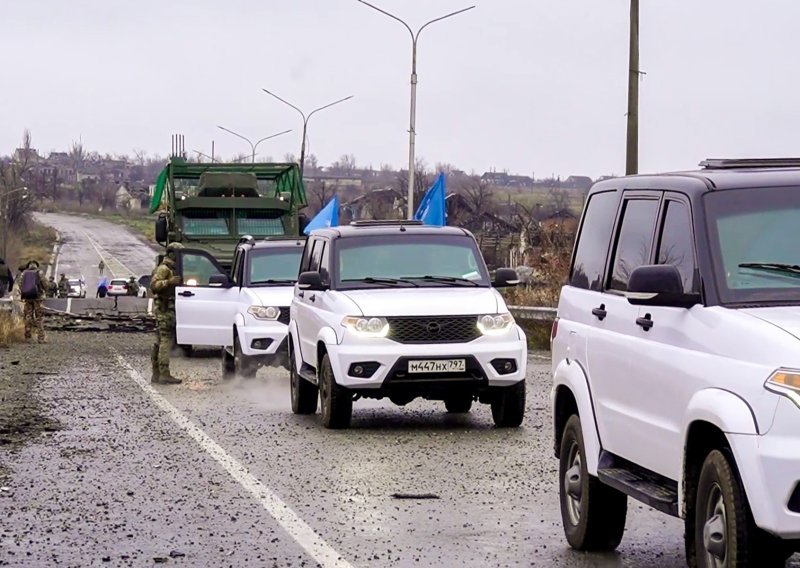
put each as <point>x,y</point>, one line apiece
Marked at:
<point>163,285</point>
<point>63,286</point>
<point>6,279</point>
<point>101,267</point>
<point>32,291</point>
<point>133,287</point>
<point>52,288</point>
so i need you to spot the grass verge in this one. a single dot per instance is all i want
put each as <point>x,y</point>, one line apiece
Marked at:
<point>12,329</point>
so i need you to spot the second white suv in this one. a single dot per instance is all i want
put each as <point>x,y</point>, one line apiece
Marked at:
<point>401,310</point>
<point>245,312</point>
<point>676,361</point>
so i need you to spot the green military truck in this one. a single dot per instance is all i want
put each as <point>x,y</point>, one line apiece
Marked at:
<point>210,206</point>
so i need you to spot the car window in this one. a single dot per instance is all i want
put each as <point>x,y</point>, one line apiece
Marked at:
<point>676,243</point>
<point>306,260</point>
<point>274,264</point>
<point>634,243</point>
<point>590,253</point>
<point>197,268</point>
<point>316,255</point>
<point>236,270</point>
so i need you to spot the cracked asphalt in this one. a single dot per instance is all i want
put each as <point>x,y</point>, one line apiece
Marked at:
<point>184,475</point>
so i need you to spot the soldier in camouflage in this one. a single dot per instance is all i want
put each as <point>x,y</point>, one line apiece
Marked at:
<point>162,284</point>
<point>32,313</point>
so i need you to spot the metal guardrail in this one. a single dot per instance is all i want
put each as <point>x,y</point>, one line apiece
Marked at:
<point>533,313</point>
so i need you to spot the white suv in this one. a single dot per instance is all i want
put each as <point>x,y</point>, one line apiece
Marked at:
<point>246,312</point>
<point>676,361</point>
<point>401,310</point>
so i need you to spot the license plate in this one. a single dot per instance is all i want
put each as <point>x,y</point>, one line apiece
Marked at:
<point>438,366</point>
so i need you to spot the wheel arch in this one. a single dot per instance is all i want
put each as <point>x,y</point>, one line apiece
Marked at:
<point>572,395</point>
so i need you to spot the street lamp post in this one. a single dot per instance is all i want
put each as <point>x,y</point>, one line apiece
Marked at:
<point>412,123</point>
<point>306,118</point>
<point>6,203</point>
<point>252,146</point>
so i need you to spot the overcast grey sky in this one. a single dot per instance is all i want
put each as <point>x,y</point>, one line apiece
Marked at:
<point>524,85</point>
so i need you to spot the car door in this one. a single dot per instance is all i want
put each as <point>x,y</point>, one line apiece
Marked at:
<point>305,300</point>
<point>614,341</point>
<point>669,369</point>
<point>204,312</point>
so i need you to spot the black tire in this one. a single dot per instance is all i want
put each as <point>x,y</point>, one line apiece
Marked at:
<point>508,405</point>
<point>243,365</point>
<point>336,403</point>
<point>228,370</point>
<point>724,531</point>
<point>593,514</point>
<point>458,404</point>
<point>304,393</point>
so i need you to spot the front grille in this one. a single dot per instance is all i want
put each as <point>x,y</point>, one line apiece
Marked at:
<point>433,329</point>
<point>284,317</point>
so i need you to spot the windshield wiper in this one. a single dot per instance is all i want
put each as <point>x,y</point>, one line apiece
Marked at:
<point>448,279</point>
<point>781,267</point>
<point>386,281</point>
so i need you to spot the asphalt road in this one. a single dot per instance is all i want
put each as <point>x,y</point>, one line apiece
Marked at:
<point>223,474</point>
<point>86,241</point>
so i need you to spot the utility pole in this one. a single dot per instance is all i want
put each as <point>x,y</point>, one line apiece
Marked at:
<point>632,150</point>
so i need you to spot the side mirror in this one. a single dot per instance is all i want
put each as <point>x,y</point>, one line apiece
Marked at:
<point>659,285</point>
<point>311,281</point>
<point>219,281</point>
<point>161,230</point>
<point>505,277</point>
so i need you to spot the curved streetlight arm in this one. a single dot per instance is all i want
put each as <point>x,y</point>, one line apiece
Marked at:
<point>270,136</point>
<point>392,16</point>
<point>284,101</point>
<point>327,106</point>
<point>229,131</point>
<point>440,18</point>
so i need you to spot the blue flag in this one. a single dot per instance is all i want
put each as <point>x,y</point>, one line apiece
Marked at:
<point>328,216</point>
<point>432,209</point>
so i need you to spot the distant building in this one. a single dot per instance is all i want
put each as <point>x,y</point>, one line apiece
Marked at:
<point>578,182</point>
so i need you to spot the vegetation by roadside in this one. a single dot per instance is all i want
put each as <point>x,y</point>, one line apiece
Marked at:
<point>11,329</point>
<point>28,241</point>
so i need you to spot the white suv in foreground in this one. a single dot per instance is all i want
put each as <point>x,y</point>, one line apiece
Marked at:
<point>676,361</point>
<point>401,310</point>
<point>245,312</point>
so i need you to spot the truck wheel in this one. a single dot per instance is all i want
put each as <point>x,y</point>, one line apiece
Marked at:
<point>304,393</point>
<point>593,514</point>
<point>228,370</point>
<point>724,533</point>
<point>458,404</point>
<point>336,402</point>
<point>242,364</point>
<point>508,405</point>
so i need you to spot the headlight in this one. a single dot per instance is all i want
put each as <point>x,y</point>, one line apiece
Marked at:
<point>785,382</point>
<point>264,313</point>
<point>367,327</point>
<point>494,324</point>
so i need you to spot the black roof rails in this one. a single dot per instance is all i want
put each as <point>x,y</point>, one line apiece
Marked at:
<point>385,223</point>
<point>743,163</point>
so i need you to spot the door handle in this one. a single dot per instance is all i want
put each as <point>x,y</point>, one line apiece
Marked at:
<point>313,297</point>
<point>645,323</point>
<point>187,294</point>
<point>600,313</point>
<point>301,295</point>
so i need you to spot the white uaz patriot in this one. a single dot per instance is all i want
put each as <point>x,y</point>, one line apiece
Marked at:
<point>401,310</point>
<point>246,312</point>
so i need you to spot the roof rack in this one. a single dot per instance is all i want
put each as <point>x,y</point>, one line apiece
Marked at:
<point>246,239</point>
<point>385,223</point>
<point>743,163</point>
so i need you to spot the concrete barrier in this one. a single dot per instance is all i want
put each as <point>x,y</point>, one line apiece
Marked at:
<point>533,313</point>
<point>114,305</point>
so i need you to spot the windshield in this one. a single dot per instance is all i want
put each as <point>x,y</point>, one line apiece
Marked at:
<point>206,222</point>
<point>275,265</point>
<point>424,260</point>
<point>754,237</point>
<point>74,282</point>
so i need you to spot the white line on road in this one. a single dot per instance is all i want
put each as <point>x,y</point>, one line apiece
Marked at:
<point>297,528</point>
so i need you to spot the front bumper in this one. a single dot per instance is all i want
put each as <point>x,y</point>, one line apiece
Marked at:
<point>770,469</point>
<point>389,361</point>
<point>263,338</point>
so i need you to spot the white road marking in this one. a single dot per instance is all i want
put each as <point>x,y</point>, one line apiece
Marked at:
<point>97,250</point>
<point>297,528</point>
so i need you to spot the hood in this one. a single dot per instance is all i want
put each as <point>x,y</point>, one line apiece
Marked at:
<point>425,301</point>
<point>279,296</point>
<point>786,318</point>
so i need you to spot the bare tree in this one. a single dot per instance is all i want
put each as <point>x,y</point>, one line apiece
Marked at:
<point>289,158</point>
<point>320,194</point>
<point>14,176</point>
<point>312,163</point>
<point>345,165</point>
